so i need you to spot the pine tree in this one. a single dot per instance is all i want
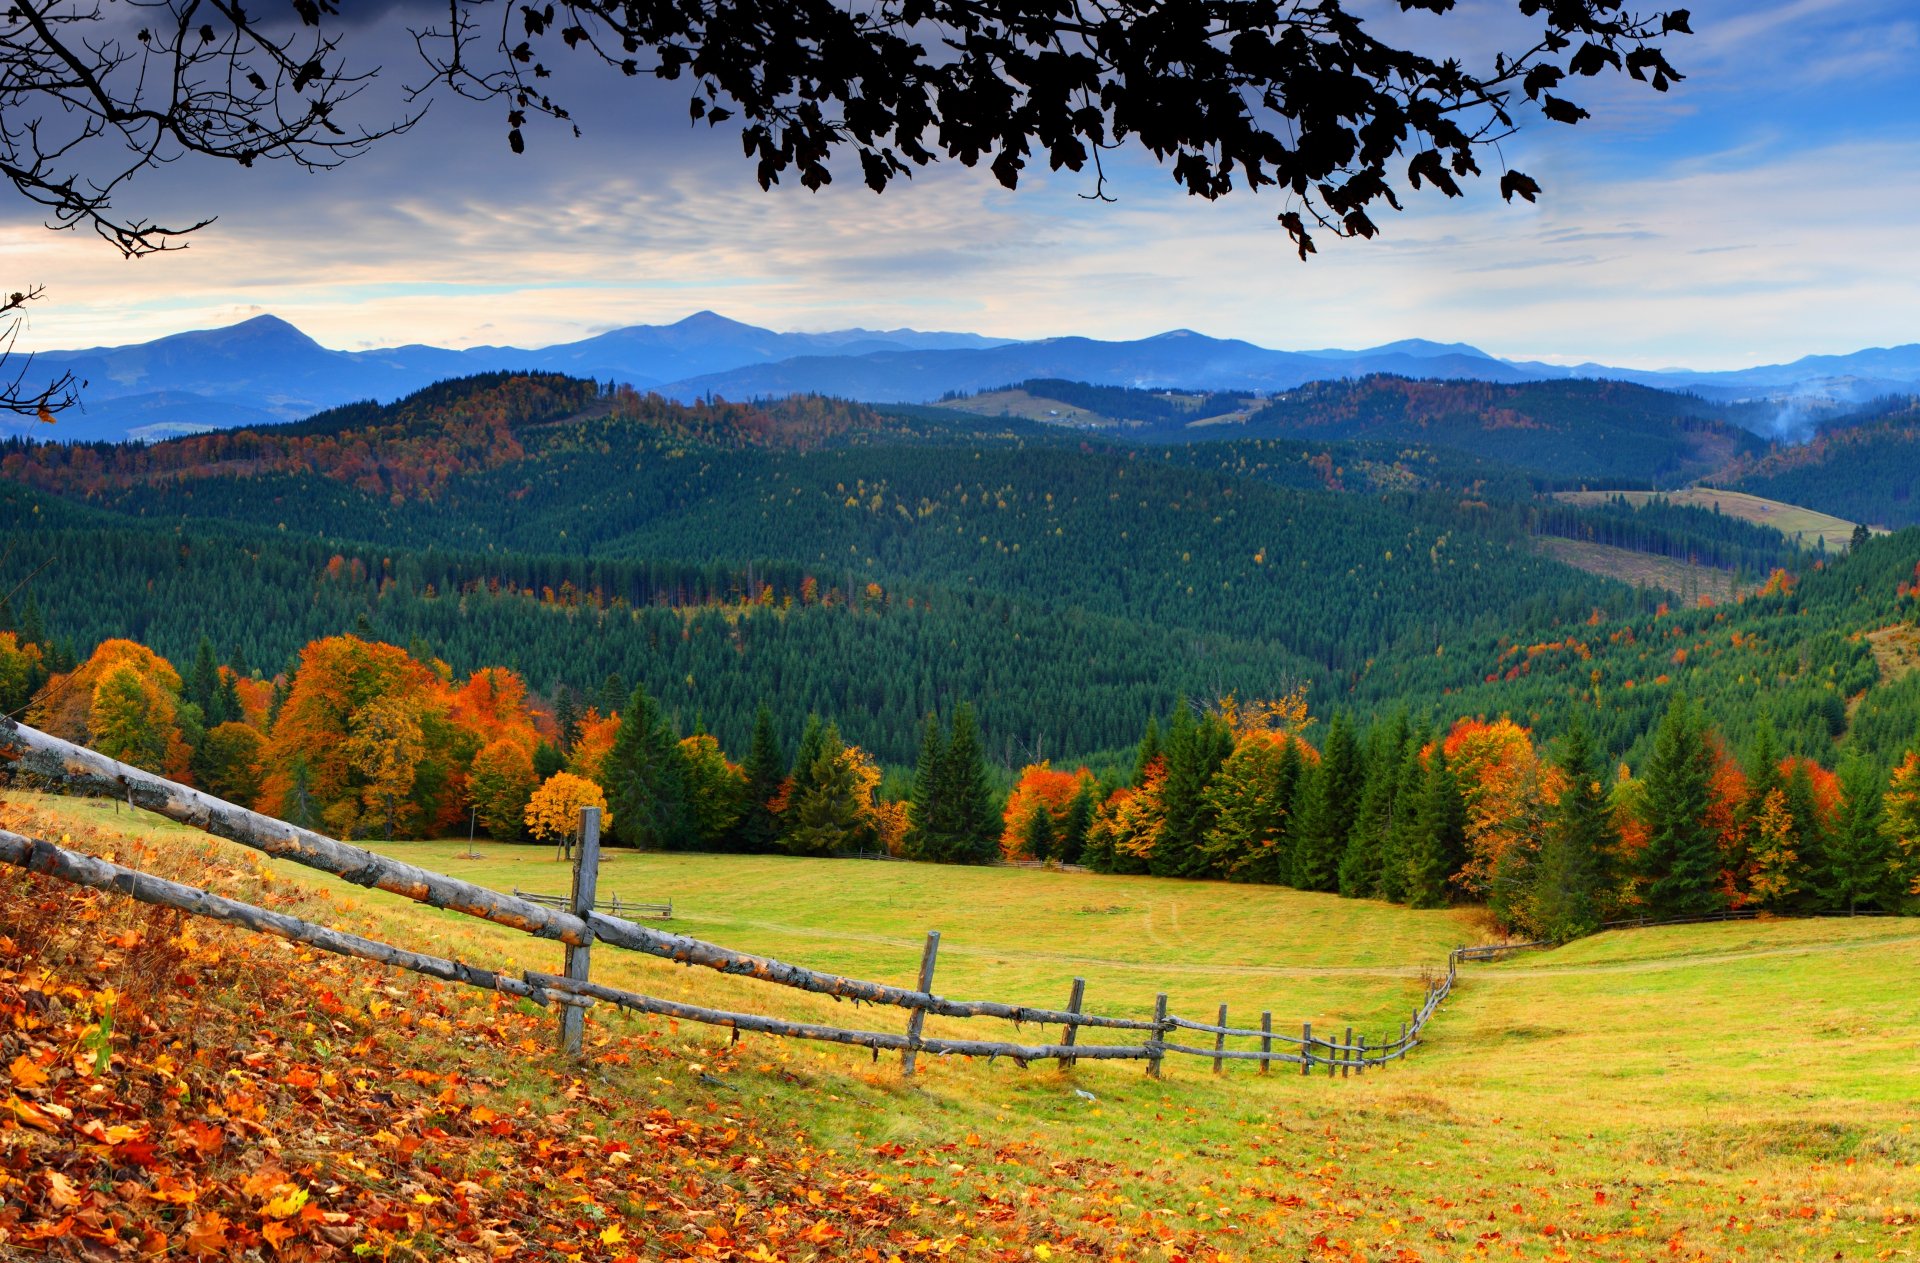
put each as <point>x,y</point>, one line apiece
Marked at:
<point>1039,840</point>
<point>548,762</point>
<point>1361,861</point>
<point>1327,819</point>
<point>1859,858</point>
<point>566,717</point>
<point>813,739</point>
<point>925,809</point>
<point>1572,873</point>
<point>766,768</point>
<point>1681,862</point>
<point>646,778</point>
<point>1150,749</point>
<point>972,818</point>
<point>826,815</point>
<point>33,628</point>
<point>1810,834</point>
<point>1195,750</point>
<point>202,686</point>
<point>1403,830</point>
<point>613,692</point>
<point>1440,844</point>
<point>1079,822</point>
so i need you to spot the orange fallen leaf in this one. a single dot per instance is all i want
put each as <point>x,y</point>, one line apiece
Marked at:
<point>27,1074</point>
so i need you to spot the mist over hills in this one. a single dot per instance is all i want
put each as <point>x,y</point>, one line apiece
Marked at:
<point>264,370</point>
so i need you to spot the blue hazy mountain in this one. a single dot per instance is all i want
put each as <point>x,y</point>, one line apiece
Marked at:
<point>265,369</point>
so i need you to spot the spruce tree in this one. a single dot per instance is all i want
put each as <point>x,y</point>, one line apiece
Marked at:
<point>1859,872</point>
<point>1150,749</point>
<point>1681,861</point>
<point>1440,844</point>
<point>1194,752</point>
<point>967,807</point>
<point>1573,872</point>
<point>566,717</point>
<point>646,789</point>
<point>1403,828</point>
<point>924,805</point>
<point>1360,862</point>
<point>202,685</point>
<point>547,761</point>
<point>765,770</point>
<point>1079,821</point>
<point>1321,836</point>
<point>825,813</point>
<point>1810,833</point>
<point>1038,839</point>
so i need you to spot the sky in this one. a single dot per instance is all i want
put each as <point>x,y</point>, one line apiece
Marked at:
<point>1760,211</point>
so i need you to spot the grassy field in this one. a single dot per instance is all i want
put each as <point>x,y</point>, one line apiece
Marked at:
<point>1643,570</point>
<point>1743,1091</point>
<point>1809,526</point>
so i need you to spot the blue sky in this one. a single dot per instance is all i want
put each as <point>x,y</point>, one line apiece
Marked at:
<point>1763,210</point>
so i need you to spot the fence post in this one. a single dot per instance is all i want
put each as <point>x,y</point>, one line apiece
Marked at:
<point>1362,1069</point>
<point>1346,1054</point>
<point>1156,1043</point>
<point>1072,1033</point>
<point>1306,1047</point>
<point>919,1016</point>
<point>1266,1042</point>
<point>586,878</point>
<point>1219,1040</point>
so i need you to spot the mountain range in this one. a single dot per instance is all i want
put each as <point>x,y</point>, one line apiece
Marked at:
<point>265,370</point>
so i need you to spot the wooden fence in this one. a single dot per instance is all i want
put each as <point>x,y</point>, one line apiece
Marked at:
<point>579,922</point>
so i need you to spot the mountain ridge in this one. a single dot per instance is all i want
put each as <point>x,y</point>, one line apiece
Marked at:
<point>265,368</point>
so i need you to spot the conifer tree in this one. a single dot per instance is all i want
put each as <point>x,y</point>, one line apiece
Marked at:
<point>1150,749</point>
<point>1860,870</point>
<point>766,768</point>
<point>1681,861</point>
<point>1440,844</point>
<point>547,762</point>
<point>971,817</point>
<point>646,785</point>
<point>1327,819</point>
<point>1079,822</point>
<point>1572,873</point>
<point>202,686</point>
<point>1403,830</point>
<point>1360,862</point>
<point>1195,750</point>
<point>924,804</point>
<point>1810,834</point>
<point>1252,798</point>
<point>825,813</point>
<point>1039,840</point>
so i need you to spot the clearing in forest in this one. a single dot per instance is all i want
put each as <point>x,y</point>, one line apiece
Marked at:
<point>1642,570</point>
<point>1811,527</point>
<point>1745,1090</point>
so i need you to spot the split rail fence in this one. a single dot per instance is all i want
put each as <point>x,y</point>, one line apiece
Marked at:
<point>580,921</point>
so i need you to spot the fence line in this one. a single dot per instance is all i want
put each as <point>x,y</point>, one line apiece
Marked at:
<point>580,924</point>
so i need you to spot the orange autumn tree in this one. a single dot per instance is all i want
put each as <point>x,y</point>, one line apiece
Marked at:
<point>345,749</point>
<point>592,745</point>
<point>1039,789</point>
<point>65,706</point>
<point>1127,826</point>
<point>1508,791</point>
<point>1902,819</point>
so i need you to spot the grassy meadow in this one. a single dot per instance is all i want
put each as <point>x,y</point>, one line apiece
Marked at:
<point>1809,526</point>
<point>1741,1091</point>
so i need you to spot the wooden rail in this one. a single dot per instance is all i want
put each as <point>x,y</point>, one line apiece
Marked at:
<point>580,924</point>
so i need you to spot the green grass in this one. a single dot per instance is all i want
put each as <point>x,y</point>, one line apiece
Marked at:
<point>1748,1090</point>
<point>1809,526</point>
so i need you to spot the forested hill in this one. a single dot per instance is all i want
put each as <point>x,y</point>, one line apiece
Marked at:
<point>1601,432</point>
<point>1867,470</point>
<point>872,566</point>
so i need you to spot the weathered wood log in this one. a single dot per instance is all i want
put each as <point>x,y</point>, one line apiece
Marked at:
<point>1157,1041</point>
<point>1220,1041</point>
<point>929,956</point>
<point>1234,1054</point>
<point>579,960</point>
<point>1236,1032</point>
<point>878,1040</point>
<point>80,869</point>
<point>92,773</point>
<point>1070,1034</point>
<point>1266,1041</point>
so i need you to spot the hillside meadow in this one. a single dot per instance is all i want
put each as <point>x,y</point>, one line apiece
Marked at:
<point>1702,1092</point>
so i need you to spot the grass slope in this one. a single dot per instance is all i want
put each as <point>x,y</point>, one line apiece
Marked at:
<point>1712,1092</point>
<point>1809,526</point>
<point>1642,570</point>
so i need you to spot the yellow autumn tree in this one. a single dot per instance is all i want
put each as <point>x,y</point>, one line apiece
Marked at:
<point>553,813</point>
